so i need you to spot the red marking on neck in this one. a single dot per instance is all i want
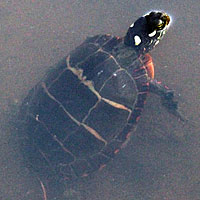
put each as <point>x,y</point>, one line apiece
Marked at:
<point>148,63</point>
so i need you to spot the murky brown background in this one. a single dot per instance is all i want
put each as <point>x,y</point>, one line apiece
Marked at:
<point>162,161</point>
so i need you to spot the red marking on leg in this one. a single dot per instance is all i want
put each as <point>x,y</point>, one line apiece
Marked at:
<point>128,135</point>
<point>166,87</point>
<point>84,175</point>
<point>147,84</point>
<point>101,167</point>
<point>142,93</point>
<point>116,151</point>
<point>135,70</point>
<point>148,62</point>
<point>137,118</point>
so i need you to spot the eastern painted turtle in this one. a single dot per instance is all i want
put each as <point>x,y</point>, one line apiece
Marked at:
<point>85,110</point>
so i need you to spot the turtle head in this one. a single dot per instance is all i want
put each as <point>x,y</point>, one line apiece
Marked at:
<point>147,31</point>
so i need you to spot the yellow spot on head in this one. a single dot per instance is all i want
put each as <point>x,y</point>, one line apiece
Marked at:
<point>137,40</point>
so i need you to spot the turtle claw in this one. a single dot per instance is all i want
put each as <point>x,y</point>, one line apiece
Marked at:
<point>171,105</point>
<point>178,115</point>
<point>167,97</point>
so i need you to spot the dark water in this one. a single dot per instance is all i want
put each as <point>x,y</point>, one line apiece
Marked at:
<point>162,159</point>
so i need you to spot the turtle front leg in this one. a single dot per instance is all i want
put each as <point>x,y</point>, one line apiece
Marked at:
<point>167,97</point>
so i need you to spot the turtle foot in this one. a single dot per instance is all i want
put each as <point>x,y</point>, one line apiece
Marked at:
<point>168,100</point>
<point>172,105</point>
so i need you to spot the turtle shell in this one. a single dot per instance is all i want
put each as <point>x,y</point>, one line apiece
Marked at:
<point>84,111</point>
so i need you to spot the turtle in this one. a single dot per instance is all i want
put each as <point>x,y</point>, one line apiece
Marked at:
<point>83,112</point>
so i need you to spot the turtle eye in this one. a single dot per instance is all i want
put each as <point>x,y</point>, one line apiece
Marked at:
<point>161,24</point>
<point>164,21</point>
